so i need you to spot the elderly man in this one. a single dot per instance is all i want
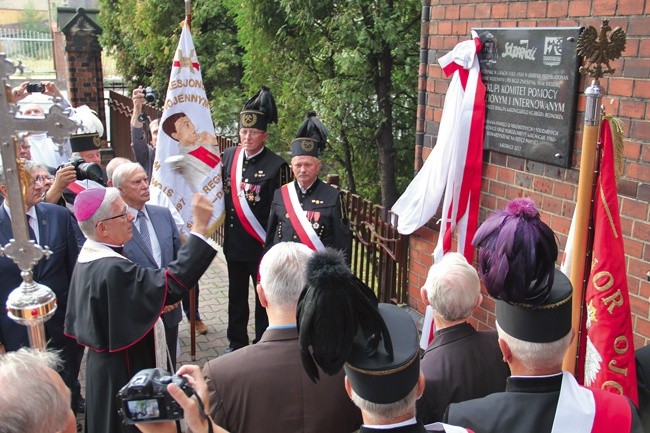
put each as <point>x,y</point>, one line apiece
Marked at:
<point>34,398</point>
<point>158,198</point>
<point>240,383</point>
<point>533,309</point>
<point>115,305</point>
<point>51,226</point>
<point>460,360</point>
<point>342,325</point>
<point>155,242</point>
<point>308,210</point>
<point>251,173</point>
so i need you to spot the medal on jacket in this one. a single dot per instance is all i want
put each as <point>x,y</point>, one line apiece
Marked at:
<point>313,217</point>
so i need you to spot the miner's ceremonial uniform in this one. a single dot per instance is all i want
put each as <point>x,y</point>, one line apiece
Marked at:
<point>261,175</point>
<point>251,173</point>
<point>307,210</point>
<point>323,206</point>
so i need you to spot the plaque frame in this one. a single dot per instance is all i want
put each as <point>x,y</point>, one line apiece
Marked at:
<point>531,78</point>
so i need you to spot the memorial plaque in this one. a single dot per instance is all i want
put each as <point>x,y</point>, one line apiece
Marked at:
<point>531,76</point>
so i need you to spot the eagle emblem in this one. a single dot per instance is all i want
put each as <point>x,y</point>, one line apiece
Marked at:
<point>598,50</point>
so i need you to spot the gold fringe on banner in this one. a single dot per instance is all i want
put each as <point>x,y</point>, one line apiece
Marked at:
<point>616,125</point>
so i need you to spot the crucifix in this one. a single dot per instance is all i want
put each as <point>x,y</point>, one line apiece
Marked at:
<point>30,304</point>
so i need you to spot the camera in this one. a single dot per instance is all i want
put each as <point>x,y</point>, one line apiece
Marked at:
<point>145,397</point>
<point>35,87</point>
<point>85,170</point>
<point>149,95</point>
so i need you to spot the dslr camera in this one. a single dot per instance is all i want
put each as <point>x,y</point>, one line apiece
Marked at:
<point>145,397</point>
<point>85,170</point>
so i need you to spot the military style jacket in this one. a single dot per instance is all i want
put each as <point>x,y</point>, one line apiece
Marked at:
<point>325,211</point>
<point>261,176</point>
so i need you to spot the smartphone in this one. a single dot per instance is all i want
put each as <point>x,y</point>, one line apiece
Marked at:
<point>35,87</point>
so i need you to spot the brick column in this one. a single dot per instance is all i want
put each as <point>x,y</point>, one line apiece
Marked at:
<point>84,63</point>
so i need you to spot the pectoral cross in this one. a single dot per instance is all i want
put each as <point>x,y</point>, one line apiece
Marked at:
<point>30,304</point>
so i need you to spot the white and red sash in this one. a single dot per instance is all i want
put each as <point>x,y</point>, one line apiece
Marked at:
<point>243,210</point>
<point>579,410</point>
<point>298,219</point>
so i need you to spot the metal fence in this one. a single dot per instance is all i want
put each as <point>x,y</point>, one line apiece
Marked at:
<point>31,51</point>
<point>379,253</point>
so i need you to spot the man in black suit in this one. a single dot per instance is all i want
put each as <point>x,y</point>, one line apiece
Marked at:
<point>155,242</point>
<point>461,363</point>
<point>251,173</point>
<point>51,226</point>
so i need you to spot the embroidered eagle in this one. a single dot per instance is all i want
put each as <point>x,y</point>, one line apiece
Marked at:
<point>599,50</point>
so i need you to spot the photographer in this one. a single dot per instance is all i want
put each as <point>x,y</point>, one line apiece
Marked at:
<point>143,132</point>
<point>193,417</point>
<point>43,149</point>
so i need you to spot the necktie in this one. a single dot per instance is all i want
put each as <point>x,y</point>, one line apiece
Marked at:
<point>144,231</point>
<point>32,235</point>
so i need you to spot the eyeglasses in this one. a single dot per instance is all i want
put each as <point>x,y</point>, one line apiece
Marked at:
<point>39,179</point>
<point>122,215</point>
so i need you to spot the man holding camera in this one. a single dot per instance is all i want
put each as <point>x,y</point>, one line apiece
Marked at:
<point>144,133</point>
<point>43,149</point>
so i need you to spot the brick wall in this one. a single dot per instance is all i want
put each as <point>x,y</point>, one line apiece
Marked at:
<point>447,22</point>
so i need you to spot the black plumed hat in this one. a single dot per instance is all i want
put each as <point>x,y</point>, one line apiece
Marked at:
<point>311,138</point>
<point>516,257</point>
<point>259,111</point>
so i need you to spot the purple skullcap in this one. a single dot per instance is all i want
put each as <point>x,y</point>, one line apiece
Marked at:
<point>517,254</point>
<point>87,202</point>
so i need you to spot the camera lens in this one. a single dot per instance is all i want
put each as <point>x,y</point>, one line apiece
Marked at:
<point>149,95</point>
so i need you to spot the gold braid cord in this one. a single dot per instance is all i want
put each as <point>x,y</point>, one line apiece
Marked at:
<point>616,125</point>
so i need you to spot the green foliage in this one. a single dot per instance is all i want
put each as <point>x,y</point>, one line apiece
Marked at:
<point>327,55</point>
<point>355,62</point>
<point>143,34</point>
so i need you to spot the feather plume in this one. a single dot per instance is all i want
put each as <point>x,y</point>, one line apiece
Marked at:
<point>517,254</point>
<point>313,128</point>
<point>333,307</point>
<point>264,102</point>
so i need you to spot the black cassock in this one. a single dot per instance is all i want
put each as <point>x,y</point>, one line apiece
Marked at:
<point>113,306</point>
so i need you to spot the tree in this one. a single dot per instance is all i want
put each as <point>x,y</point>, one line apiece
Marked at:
<point>354,62</point>
<point>143,34</point>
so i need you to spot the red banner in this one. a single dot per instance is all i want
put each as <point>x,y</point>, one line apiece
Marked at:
<point>609,358</point>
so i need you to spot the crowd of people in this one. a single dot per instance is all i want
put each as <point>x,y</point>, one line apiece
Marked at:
<point>326,355</point>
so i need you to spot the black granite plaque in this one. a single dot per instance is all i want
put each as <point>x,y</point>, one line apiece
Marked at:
<point>531,75</point>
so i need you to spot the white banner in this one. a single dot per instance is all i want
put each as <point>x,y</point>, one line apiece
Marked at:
<point>187,157</point>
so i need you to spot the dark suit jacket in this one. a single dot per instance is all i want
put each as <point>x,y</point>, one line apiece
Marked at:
<point>55,231</point>
<point>643,380</point>
<point>460,364</point>
<point>263,387</point>
<point>528,405</point>
<point>170,242</point>
<point>267,171</point>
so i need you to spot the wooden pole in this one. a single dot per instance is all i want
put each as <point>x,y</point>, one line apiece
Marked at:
<point>582,214</point>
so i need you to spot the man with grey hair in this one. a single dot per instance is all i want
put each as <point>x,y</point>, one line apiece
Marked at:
<point>49,225</point>
<point>34,398</point>
<point>115,305</point>
<point>461,363</point>
<point>517,255</point>
<point>155,242</point>
<point>241,382</point>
